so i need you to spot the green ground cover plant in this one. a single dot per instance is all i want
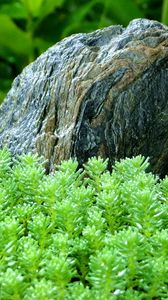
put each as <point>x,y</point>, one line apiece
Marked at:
<point>86,234</point>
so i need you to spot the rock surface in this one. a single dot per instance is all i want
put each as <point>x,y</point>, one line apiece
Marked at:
<point>102,93</point>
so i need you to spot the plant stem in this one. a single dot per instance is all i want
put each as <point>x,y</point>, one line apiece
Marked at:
<point>164,16</point>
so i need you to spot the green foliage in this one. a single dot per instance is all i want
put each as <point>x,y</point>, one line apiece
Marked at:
<point>165,12</point>
<point>86,234</point>
<point>29,27</point>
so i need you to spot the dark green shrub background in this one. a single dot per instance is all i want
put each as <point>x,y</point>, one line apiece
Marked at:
<point>29,27</point>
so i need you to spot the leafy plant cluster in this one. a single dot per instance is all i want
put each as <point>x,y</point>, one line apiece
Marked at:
<point>86,234</point>
<point>29,27</point>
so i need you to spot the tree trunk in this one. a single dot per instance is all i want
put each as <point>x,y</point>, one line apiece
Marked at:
<point>103,93</point>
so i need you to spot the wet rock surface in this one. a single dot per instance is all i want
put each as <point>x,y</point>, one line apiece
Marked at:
<point>102,93</point>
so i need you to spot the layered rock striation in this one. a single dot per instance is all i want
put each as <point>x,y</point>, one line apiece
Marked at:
<point>102,93</point>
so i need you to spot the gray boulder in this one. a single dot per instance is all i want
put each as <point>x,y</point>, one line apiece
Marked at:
<point>103,93</point>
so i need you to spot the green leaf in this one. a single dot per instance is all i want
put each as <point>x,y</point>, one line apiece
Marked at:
<point>124,11</point>
<point>41,44</point>
<point>75,19</point>
<point>13,38</point>
<point>164,18</point>
<point>41,8</point>
<point>33,6</point>
<point>48,7</point>
<point>15,10</point>
<point>2,96</point>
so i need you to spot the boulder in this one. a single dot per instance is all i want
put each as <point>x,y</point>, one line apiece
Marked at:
<point>103,93</point>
